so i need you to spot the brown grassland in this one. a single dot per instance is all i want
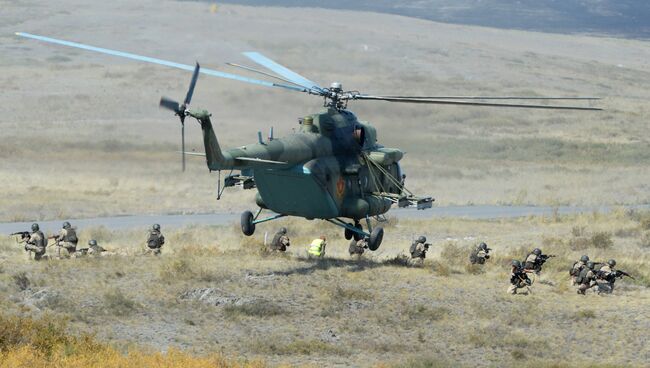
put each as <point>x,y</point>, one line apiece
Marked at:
<point>288,309</point>
<point>82,137</point>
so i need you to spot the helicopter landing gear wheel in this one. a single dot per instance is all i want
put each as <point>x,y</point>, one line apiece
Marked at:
<point>247,225</point>
<point>356,235</point>
<point>376,237</point>
<point>349,233</point>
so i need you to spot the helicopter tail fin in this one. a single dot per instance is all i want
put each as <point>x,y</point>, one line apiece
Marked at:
<point>215,158</point>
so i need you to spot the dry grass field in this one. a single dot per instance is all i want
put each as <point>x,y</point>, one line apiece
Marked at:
<point>82,136</point>
<point>211,292</point>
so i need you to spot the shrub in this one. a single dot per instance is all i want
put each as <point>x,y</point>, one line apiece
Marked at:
<point>602,240</point>
<point>645,240</point>
<point>423,312</point>
<point>259,308</point>
<point>585,314</point>
<point>119,304</point>
<point>21,280</point>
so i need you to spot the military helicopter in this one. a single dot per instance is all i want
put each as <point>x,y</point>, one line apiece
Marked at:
<point>332,168</point>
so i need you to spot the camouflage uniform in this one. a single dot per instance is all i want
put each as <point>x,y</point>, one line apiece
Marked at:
<point>577,267</point>
<point>518,278</point>
<point>586,279</point>
<point>358,247</point>
<point>280,241</point>
<point>37,244</point>
<point>96,250</point>
<point>155,240</point>
<point>605,279</point>
<point>68,240</point>
<point>418,251</point>
<point>480,254</point>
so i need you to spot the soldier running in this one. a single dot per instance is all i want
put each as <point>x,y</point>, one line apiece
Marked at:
<point>280,241</point>
<point>36,243</point>
<point>518,278</point>
<point>155,240</point>
<point>480,254</point>
<point>418,251</point>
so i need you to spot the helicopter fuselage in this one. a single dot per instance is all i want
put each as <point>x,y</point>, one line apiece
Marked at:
<point>327,169</point>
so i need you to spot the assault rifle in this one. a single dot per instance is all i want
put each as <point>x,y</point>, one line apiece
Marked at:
<point>543,258</point>
<point>24,235</point>
<point>56,240</point>
<point>615,275</point>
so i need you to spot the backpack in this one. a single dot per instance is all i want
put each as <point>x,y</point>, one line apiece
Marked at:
<point>412,248</point>
<point>582,276</point>
<point>71,236</point>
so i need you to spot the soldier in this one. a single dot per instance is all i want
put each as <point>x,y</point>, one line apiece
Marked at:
<point>155,240</point>
<point>280,241</point>
<point>66,239</point>
<point>418,251</point>
<point>518,278</point>
<point>36,243</point>
<point>535,260</point>
<point>577,267</point>
<point>317,247</point>
<point>480,254</point>
<point>358,247</point>
<point>586,278</point>
<point>606,277</point>
<point>94,249</point>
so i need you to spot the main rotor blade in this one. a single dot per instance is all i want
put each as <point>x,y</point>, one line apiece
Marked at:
<point>248,68</point>
<point>190,91</point>
<point>494,98</point>
<point>468,103</point>
<point>172,64</point>
<point>283,71</point>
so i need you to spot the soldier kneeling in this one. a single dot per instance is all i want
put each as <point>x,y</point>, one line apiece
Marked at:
<point>280,241</point>
<point>155,240</point>
<point>518,278</point>
<point>358,247</point>
<point>480,254</point>
<point>418,251</point>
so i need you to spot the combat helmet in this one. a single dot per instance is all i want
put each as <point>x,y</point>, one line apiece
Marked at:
<point>516,263</point>
<point>92,242</point>
<point>591,265</point>
<point>537,251</point>
<point>611,263</point>
<point>66,225</point>
<point>283,230</point>
<point>422,239</point>
<point>35,227</point>
<point>483,246</point>
<point>584,258</point>
<point>156,227</point>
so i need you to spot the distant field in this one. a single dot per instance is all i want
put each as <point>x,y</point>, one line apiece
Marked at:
<point>626,18</point>
<point>84,137</point>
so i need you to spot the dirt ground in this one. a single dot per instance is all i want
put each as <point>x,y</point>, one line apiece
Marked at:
<point>82,136</point>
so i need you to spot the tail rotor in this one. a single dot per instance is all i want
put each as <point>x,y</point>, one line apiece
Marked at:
<point>181,109</point>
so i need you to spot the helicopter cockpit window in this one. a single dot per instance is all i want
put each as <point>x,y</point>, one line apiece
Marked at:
<point>359,135</point>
